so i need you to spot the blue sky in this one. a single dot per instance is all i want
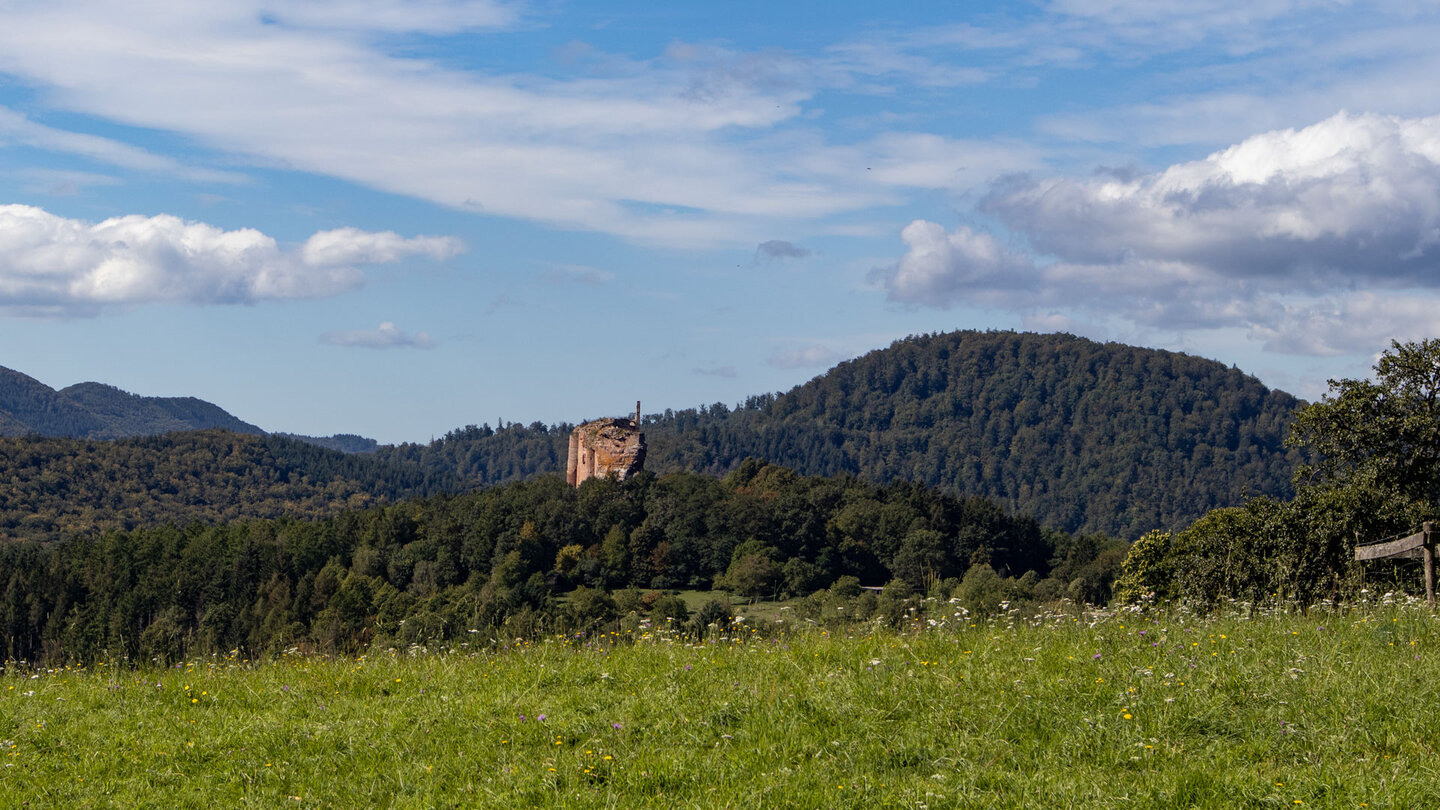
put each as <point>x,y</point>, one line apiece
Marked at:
<point>398,217</point>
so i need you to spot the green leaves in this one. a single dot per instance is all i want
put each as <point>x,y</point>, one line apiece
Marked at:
<point>1382,434</point>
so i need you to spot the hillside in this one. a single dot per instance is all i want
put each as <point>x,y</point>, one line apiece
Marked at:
<point>1082,435</point>
<point>92,410</point>
<point>1085,436</point>
<point>55,487</point>
<point>95,411</point>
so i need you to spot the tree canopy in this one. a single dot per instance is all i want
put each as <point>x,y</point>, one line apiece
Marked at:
<point>1381,434</point>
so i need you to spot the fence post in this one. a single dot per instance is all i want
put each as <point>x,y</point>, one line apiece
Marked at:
<point>1427,553</point>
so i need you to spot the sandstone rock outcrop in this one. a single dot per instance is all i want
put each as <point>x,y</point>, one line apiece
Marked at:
<point>609,446</point>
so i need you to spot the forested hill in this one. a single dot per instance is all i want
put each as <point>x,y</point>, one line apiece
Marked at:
<point>96,411</point>
<point>1082,434</point>
<point>1085,436</point>
<point>54,487</point>
<point>93,410</point>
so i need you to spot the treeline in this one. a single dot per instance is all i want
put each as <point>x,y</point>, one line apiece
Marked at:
<point>513,559</point>
<point>52,487</point>
<point>1083,435</point>
<point>1374,474</point>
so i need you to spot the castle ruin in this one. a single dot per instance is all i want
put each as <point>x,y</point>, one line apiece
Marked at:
<point>609,446</point>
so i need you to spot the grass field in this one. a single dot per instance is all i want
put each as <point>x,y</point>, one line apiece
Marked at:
<point>1161,709</point>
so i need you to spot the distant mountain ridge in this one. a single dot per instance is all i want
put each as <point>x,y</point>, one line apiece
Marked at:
<point>92,410</point>
<point>1085,436</point>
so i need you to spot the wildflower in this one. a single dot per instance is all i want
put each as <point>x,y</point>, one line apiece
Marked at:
<point>1095,657</point>
<point>540,717</point>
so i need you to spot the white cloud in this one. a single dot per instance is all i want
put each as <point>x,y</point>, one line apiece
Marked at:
<point>354,246</point>
<point>51,265</point>
<point>18,128</point>
<point>1305,238</point>
<point>395,16</point>
<point>385,336</point>
<point>806,357</point>
<point>942,269</point>
<point>60,182</point>
<point>716,371</point>
<point>699,147</point>
<point>1352,195</point>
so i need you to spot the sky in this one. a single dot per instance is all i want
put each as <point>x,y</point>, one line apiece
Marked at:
<point>399,217</point>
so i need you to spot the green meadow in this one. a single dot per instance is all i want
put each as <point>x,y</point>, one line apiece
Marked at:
<point>1330,707</point>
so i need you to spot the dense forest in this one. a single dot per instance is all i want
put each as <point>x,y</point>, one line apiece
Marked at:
<point>152,563</point>
<point>1085,436</point>
<point>450,566</point>
<point>51,487</point>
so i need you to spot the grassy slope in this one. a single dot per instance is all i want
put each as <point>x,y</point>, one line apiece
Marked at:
<point>1328,710</point>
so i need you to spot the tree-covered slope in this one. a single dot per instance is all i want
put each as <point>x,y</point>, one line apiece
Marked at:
<point>1086,436</point>
<point>52,487</point>
<point>30,406</point>
<point>92,410</point>
<point>125,414</point>
<point>96,411</point>
<point>446,567</point>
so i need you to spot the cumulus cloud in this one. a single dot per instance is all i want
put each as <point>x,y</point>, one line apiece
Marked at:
<point>52,265</point>
<point>1259,236</point>
<point>386,336</point>
<point>778,249</point>
<point>1352,194</point>
<point>805,357</point>
<point>942,269</point>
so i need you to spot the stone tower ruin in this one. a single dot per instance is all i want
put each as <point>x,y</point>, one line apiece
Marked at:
<point>610,446</point>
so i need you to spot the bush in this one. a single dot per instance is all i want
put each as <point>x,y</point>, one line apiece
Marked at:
<point>670,607</point>
<point>714,612</point>
<point>846,587</point>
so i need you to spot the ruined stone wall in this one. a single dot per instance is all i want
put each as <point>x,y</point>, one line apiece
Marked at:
<point>605,447</point>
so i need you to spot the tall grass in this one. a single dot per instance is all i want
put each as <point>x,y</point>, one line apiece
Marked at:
<point>1330,708</point>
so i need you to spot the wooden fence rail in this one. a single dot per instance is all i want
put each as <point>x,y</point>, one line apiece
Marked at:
<point>1421,545</point>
